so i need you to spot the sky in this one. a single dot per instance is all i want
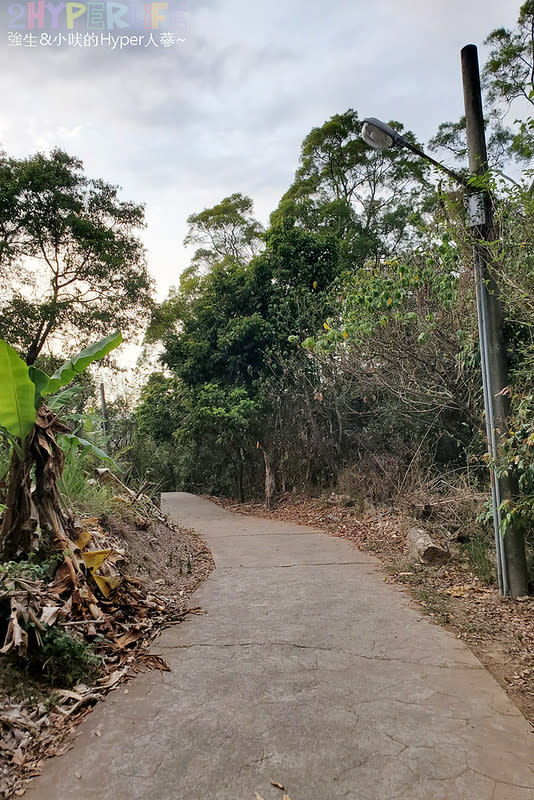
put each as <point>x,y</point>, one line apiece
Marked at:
<point>225,107</point>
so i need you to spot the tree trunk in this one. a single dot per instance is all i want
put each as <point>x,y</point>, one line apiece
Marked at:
<point>49,460</point>
<point>421,547</point>
<point>18,533</point>
<point>270,485</point>
<point>240,476</point>
<point>35,519</point>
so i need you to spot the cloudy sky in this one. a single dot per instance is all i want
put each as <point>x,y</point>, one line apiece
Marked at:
<point>226,110</point>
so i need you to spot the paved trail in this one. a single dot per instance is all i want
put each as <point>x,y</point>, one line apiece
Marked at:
<point>307,670</point>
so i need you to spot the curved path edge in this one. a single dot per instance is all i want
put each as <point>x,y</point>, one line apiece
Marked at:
<point>308,670</point>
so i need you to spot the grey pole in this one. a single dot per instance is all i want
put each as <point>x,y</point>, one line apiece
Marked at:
<point>104,406</point>
<point>510,548</point>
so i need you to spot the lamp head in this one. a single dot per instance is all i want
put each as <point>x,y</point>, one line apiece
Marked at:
<point>378,135</point>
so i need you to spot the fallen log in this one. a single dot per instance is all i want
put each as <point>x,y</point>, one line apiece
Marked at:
<point>421,547</point>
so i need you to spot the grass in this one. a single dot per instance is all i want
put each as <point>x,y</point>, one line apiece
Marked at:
<point>84,495</point>
<point>434,603</point>
<point>478,550</point>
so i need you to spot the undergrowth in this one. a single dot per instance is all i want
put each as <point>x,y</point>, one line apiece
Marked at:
<point>32,569</point>
<point>83,494</point>
<point>478,551</point>
<point>62,659</point>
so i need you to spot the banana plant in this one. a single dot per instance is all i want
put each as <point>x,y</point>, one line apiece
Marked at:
<point>33,429</point>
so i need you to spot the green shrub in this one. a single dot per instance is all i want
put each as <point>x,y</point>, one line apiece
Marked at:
<point>31,569</point>
<point>63,659</point>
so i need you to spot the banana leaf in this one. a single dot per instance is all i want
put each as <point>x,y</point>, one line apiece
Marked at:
<point>41,381</point>
<point>17,393</point>
<point>77,364</point>
<point>71,440</point>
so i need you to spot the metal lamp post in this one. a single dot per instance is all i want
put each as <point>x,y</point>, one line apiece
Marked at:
<point>510,550</point>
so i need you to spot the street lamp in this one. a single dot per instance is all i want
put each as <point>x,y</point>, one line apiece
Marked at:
<point>510,550</point>
<point>380,136</point>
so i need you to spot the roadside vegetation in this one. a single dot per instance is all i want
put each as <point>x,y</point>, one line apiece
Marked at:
<point>325,366</point>
<point>86,562</point>
<point>337,351</point>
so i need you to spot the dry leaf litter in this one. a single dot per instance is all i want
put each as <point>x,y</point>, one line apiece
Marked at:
<point>113,600</point>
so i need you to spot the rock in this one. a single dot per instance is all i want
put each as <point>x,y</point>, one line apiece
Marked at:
<point>420,546</point>
<point>343,500</point>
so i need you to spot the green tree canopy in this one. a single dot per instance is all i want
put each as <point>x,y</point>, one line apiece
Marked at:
<point>70,249</point>
<point>227,231</point>
<point>507,78</point>
<point>369,200</point>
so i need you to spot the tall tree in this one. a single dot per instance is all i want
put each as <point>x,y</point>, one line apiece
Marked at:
<point>509,74</point>
<point>507,78</point>
<point>227,231</point>
<point>370,201</point>
<point>70,258</point>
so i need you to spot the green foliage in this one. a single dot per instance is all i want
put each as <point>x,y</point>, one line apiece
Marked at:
<point>63,659</point>
<point>79,363</point>
<point>519,462</point>
<point>509,68</point>
<point>83,494</point>
<point>32,568</point>
<point>478,550</point>
<point>17,394</point>
<point>69,441</point>
<point>507,78</point>
<point>23,387</point>
<point>349,344</point>
<point>228,231</point>
<point>370,201</point>
<point>451,139</point>
<point>394,292</point>
<point>76,232</point>
<point>35,444</point>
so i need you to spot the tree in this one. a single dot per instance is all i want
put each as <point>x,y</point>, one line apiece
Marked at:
<point>369,201</point>
<point>451,137</point>
<point>509,70</point>
<point>235,371</point>
<point>69,245</point>
<point>227,231</point>
<point>509,74</point>
<point>508,81</point>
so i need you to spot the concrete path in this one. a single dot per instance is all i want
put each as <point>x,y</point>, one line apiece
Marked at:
<point>308,670</point>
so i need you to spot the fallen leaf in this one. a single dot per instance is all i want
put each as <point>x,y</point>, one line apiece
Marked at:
<point>91,522</point>
<point>106,585</point>
<point>278,785</point>
<point>95,558</point>
<point>126,639</point>
<point>83,539</point>
<point>49,614</point>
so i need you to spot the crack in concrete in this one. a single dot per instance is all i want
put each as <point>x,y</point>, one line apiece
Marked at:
<point>474,668</point>
<point>500,780</point>
<point>502,783</point>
